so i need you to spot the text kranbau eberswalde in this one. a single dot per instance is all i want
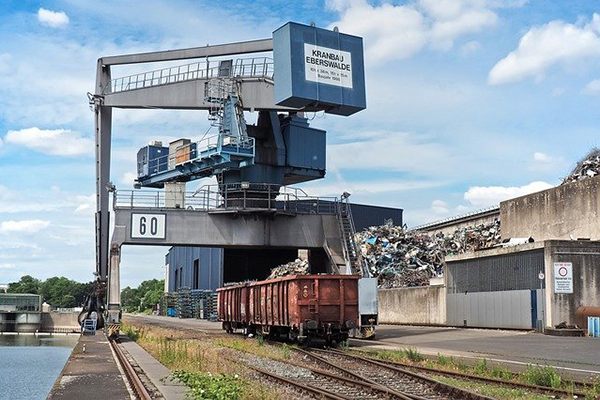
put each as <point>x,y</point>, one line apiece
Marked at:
<point>327,59</point>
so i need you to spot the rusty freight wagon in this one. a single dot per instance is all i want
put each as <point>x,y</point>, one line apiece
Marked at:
<point>299,307</point>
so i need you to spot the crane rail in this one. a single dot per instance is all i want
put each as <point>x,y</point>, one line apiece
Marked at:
<point>138,387</point>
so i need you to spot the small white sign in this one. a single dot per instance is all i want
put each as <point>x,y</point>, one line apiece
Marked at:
<point>563,277</point>
<point>329,66</point>
<point>148,226</point>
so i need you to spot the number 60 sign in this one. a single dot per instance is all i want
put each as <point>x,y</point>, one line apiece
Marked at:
<point>148,226</point>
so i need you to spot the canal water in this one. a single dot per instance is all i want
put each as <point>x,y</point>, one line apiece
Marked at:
<point>29,365</point>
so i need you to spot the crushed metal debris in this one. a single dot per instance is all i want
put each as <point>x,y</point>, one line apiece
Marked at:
<point>587,167</point>
<point>404,258</point>
<point>297,267</point>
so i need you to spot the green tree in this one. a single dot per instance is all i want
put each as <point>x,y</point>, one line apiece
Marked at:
<point>27,284</point>
<point>54,289</point>
<point>67,301</point>
<point>144,297</point>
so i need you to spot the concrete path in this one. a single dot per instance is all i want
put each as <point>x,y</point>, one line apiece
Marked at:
<point>577,357</point>
<point>91,375</point>
<point>155,371</point>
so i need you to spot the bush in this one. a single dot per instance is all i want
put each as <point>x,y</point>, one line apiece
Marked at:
<point>208,386</point>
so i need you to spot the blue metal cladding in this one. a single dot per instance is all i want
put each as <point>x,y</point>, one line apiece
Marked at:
<point>181,261</point>
<point>365,216</point>
<point>151,160</point>
<point>318,66</point>
<point>305,146</point>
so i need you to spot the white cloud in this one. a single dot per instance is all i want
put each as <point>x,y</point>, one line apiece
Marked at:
<point>8,266</point>
<point>542,157</point>
<point>391,151</point>
<point>593,87</point>
<point>59,142</point>
<point>25,226</point>
<point>484,196</point>
<point>439,207</point>
<point>128,178</point>
<point>53,19</point>
<point>361,188</point>
<point>542,47</point>
<point>85,204</point>
<point>399,31</point>
<point>470,47</point>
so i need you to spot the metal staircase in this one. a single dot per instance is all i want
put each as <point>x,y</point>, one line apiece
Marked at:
<point>352,255</point>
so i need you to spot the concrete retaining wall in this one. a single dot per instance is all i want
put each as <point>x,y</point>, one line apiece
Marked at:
<point>558,213</point>
<point>585,258</point>
<point>424,305</point>
<point>60,322</point>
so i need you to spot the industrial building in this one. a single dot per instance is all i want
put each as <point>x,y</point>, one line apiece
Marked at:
<point>20,312</point>
<point>528,286</point>
<point>210,267</point>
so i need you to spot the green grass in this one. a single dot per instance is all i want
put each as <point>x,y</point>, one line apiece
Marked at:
<point>408,354</point>
<point>209,386</point>
<point>497,392</point>
<point>130,332</point>
<point>542,376</point>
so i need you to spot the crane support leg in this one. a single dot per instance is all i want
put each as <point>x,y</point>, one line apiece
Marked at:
<point>103,129</point>
<point>113,317</point>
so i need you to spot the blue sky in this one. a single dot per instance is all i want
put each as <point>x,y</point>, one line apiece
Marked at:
<point>469,102</point>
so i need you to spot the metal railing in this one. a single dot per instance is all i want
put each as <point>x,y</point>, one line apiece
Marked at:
<point>200,150</point>
<point>230,197</point>
<point>256,67</point>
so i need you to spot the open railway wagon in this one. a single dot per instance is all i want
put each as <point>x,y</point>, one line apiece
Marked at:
<point>301,308</point>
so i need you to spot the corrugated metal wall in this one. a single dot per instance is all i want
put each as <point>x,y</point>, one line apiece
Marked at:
<point>517,271</point>
<point>181,261</point>
<point>515,309</point>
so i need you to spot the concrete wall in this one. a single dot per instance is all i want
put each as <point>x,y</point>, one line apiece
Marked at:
<point>425,305</point>
<point>585,257</point>
<point>556,213</point>
<point>55,321</point>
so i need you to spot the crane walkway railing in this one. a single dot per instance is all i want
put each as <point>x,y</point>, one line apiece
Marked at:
<point>234,197</point>
<point>256,67</point>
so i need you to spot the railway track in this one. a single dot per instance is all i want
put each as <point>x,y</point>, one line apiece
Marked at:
<point>322,384</point>
<point>138,387</point>
<point>403,383</point>
<point>578,386</point>
<point>577,392</point>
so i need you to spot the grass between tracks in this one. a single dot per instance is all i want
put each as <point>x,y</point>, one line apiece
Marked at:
<point>540,375</point>
<point>203,363</point>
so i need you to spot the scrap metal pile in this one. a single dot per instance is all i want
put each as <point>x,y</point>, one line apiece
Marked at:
<point>588,167</point>
<point>403,258</point>
<point>297,267</point>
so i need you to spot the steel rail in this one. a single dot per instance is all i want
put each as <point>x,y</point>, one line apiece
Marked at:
<point>375,385</point>
<point>496,381</point>
<point>438,386</point>
<point>132,376</point>
<point>309,388</point>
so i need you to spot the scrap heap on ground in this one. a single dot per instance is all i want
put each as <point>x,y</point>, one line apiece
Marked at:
<point>400,258</point>
<point>588,167</point>
<point>297,267</point>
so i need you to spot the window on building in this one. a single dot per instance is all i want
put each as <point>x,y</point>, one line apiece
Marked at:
<point>176,279</point>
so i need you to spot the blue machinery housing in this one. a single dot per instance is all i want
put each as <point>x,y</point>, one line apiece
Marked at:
<point>314,69</point>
